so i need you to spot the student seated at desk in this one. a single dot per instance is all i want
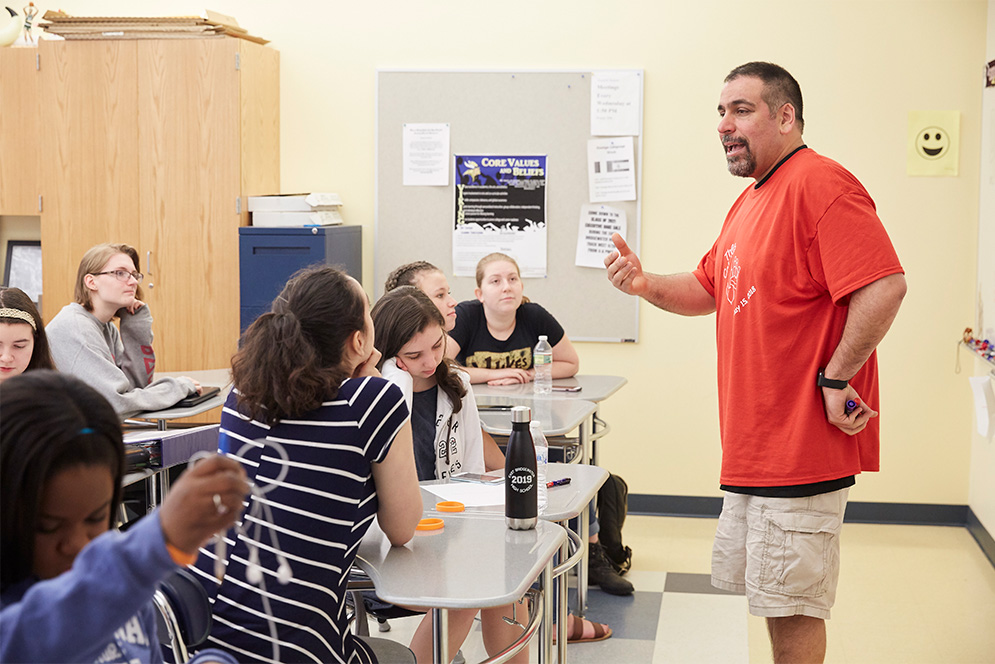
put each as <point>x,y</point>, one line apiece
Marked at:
<point>74,590</point>
<point>337,453</point>
<point>86,343</point>
<point>447,440</point>
<point>432,281</point>
<point>23,344</point>
<point>494,335</point>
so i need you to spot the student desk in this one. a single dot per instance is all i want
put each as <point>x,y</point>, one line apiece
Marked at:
<point>442,569</point>
<point>567,502</point>
<point>215,377</point>
<point>557,416</point>
<point>594,388</point>
<point>564,503</point>
<point>177,447</point>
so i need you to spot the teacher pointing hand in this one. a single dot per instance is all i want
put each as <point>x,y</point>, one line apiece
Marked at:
<point>800,308</point>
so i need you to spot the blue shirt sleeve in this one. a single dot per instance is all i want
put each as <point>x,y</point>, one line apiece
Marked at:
<point>74,617</point>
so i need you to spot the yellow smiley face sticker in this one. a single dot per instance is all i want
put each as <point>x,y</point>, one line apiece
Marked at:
<point>932,143</point>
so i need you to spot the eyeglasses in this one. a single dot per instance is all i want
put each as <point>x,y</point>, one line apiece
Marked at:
<point>122,275</point>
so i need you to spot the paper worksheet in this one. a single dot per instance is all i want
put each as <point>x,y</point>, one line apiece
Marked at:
<point>468,493</point>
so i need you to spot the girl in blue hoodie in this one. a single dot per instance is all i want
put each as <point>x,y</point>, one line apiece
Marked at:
<point>73,589</point>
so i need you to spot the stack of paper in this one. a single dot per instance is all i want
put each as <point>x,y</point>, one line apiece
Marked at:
<point>290,210</point>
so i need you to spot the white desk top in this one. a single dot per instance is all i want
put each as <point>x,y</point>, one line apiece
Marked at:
<point>564,502</point>
<point>215,377</point>
<point>593,388</point>
<point>556,417</point>
<point>444,568</point>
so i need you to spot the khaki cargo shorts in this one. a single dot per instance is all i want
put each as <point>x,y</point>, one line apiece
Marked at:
<point>783,552</point>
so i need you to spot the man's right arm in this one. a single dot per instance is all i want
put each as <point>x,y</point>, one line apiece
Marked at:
<point>677,293</point>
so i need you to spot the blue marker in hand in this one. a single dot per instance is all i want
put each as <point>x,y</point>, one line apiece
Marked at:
<point>851,406</point>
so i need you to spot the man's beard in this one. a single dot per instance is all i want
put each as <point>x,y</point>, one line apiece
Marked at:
<point>743,164</point>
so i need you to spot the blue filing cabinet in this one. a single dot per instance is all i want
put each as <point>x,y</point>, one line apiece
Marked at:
<point>268,256</point>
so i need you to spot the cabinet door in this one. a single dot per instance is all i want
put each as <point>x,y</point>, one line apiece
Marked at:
<point>89,184</point>
<point>19,131</point>
<point>188,96</point>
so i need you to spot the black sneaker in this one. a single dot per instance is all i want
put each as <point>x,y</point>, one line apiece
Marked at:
<point>601,573</point>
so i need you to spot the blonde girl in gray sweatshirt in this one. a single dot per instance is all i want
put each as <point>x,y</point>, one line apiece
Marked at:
<point>85,342</point>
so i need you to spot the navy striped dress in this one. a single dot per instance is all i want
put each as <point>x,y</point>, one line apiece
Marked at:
<point>320,511</point>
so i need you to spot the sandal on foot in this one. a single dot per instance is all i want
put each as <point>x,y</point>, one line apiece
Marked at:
<point>586,631</point>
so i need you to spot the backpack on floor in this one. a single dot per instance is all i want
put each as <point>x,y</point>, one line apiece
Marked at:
<point>613,500</point>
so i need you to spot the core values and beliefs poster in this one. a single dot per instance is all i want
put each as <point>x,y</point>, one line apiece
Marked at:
<point>500,207</point>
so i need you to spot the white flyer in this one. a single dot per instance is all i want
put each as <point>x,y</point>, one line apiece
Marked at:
<point>615,103</point>
<point>611,169</point>
<point>425,154</point>
<point>594,238</point>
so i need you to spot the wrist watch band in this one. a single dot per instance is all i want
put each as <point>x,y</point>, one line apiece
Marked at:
<point>822,381</point>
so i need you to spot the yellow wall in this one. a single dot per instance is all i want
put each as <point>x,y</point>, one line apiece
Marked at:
<point>862,64</point>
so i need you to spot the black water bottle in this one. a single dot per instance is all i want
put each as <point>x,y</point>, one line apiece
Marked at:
<point>521,494</point>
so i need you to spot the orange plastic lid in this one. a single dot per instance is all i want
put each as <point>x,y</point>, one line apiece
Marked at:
<point>429,524</point>
<point>449,506</point>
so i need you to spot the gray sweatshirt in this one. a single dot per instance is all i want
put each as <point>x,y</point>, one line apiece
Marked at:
<point>119,365</point>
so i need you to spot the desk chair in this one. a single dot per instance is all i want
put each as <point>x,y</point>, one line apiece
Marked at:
<point>364,603</point>
<point>184,617</point>
<point>384,649</point>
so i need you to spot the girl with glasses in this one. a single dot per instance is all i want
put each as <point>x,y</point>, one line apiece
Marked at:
<point>120,364</point>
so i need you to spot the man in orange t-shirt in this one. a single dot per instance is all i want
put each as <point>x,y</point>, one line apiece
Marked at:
<point>804,283</point>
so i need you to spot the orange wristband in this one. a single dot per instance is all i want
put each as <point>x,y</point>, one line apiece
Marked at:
<point>181,557</point>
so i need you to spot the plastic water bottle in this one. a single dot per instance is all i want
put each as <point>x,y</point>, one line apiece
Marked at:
<point>542,459</point>
<point>542,362</point>
<point>520,490</point>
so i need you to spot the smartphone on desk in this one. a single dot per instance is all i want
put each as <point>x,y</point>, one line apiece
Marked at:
<point>566,388</point>
<point>487,478</point>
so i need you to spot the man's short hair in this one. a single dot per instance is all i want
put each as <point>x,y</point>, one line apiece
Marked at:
<point>780,87</point>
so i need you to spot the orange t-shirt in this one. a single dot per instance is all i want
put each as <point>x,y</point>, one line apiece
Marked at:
<point>789,254</point>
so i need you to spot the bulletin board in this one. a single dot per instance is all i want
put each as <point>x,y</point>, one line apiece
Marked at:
<point>502,112</point>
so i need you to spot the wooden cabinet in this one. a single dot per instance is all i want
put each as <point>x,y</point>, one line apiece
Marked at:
<point>19,131</point>
<point>156,143</point>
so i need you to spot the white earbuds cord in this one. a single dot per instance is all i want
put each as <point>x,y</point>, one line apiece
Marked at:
<point>260,512</point>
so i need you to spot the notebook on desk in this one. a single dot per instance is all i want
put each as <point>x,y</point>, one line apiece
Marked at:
<point>206,392</point>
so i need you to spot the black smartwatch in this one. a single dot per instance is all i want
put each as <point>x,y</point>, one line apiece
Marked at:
<point>822,381</point>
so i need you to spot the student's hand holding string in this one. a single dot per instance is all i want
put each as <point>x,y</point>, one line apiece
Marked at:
<point>206,499</point>
<point>624,269</point>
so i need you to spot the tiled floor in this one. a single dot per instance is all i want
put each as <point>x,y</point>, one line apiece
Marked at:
<point>908,594</point>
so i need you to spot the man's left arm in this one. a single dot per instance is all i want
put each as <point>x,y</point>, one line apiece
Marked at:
<point>869,316</point>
